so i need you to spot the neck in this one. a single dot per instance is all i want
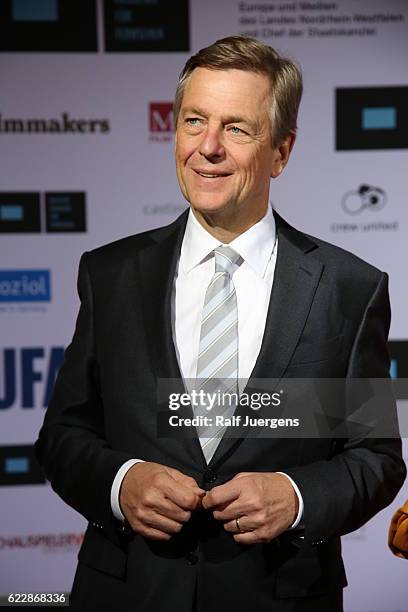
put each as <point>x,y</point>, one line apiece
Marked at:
<point>226,228</point>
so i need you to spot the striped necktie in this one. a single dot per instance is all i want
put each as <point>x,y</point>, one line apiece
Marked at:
<point>217,364</point>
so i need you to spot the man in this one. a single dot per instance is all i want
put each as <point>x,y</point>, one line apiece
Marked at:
<point>228,291</point>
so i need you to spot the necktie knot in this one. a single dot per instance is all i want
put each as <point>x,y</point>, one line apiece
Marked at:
<point>225,258</point>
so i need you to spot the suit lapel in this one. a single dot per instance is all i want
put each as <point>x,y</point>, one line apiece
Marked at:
<point>157,269</point>
<point>297,275</point>
<point>296,278</point>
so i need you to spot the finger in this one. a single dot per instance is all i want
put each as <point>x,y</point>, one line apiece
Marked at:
<point>165,486</point>
<point>153,534</point>
<point>154,499</point>
<point>146,530</point>
<point>167,508</point>
<point>242,475</point>
<point>180,495</point>
<point>258,536</point>
<point>230,511</point>
<point>187,481</point>
<point>159,522</point>
<point>250,537</point>
<point>245,524</point>
<point>223,494</point>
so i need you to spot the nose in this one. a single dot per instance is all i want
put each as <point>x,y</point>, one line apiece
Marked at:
<point>211,145</point>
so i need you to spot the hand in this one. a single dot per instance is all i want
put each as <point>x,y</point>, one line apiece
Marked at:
<point>157,500</point>
<point>265,503</point>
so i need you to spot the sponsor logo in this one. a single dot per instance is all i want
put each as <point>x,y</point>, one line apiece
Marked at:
<point>371,118</point>
<point>18,466</point>
<point>161,121</point>
<point>129,26</point>
<point>366,197</point>
<point>63,125</point>
<point>25,286</point>
<point>163,209</point>
<point>48,25</point>
<point>146,25</point>
<point>46,542</point>
<point>21,212</point>
<point>27,376</point>
<point>362,202</point>
<point>65,212</point>
<point>44,10</point>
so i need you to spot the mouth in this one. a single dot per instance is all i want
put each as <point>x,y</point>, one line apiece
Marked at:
<point>212,175</point>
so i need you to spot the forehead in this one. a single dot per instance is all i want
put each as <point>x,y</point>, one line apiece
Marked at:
<point>235,90</point>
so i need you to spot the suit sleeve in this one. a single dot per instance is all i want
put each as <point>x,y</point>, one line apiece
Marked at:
<point>72,446</point>
<point>364,474</point>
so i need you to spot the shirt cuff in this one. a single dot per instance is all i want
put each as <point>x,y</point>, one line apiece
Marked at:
<point>300,499</point>
<point>115,490</point>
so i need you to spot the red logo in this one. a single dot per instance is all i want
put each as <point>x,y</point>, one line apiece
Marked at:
<point>161,121</point>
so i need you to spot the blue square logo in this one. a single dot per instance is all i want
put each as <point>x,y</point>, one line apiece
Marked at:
<point>25,286</point>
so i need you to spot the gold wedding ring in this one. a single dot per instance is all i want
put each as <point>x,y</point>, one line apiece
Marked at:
<point>237,524</point>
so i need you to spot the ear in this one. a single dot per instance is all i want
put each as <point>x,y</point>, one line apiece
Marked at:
<point>281,155</point>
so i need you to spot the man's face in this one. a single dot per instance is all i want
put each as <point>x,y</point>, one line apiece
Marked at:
<point>224,155</point>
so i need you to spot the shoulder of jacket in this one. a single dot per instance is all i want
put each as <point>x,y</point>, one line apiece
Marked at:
<point>119,251</point>
<point>340,265</point>
<point>346,261</point>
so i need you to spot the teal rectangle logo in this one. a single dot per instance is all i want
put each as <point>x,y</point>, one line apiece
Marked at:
<point>34,10</point>
<point>17,465</point>
<point>11,212</point>
<point>380,118</point>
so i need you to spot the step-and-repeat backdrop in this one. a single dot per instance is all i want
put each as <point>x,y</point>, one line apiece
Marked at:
<point>86,150</point>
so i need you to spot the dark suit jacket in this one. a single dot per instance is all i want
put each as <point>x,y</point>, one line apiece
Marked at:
<point>328,318</point>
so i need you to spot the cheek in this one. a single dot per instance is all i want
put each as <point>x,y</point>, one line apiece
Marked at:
<point>179,153</point>
<point>251,171</point>
<point>248,163</point>
<point>261,168</point>
<point>185,148</point>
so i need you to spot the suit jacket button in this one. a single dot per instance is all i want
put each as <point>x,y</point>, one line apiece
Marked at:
<point>124,529</point>
<point>210,476</point>
<point>317,542</point>
<point>192,558</point>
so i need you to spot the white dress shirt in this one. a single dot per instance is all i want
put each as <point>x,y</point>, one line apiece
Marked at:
<point>253,284</point>
<point>252,281</point>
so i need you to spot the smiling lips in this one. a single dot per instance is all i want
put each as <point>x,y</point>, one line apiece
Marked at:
<point>212,175</point>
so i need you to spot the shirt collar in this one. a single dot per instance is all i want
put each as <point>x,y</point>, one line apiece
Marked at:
<point>255,245</point>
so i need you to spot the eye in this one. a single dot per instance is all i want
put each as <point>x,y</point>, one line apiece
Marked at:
<point>193,121</point>
<point>236,130</point>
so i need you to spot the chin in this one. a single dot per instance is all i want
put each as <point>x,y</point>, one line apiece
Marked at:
<point>209,207</point>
